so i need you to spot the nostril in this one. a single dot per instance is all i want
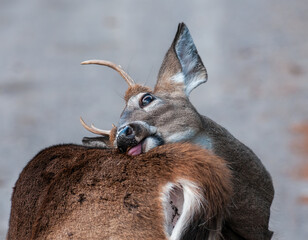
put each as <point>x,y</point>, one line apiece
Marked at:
<point>128,131</point>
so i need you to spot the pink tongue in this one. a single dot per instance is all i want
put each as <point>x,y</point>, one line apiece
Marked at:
<point>135,150</point>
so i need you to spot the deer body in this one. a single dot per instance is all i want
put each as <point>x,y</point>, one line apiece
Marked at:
<point>176,191</point>
<point>165,115</point>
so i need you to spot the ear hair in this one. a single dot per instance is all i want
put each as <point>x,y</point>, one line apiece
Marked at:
<point>102,141</point>
<point>99,142</point>
<point>182,69</point>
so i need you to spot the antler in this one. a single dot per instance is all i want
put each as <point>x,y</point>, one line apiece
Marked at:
<point>118,68</point>
<point>95,130</point>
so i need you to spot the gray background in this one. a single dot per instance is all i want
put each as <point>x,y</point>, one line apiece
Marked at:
<point>255,53</point>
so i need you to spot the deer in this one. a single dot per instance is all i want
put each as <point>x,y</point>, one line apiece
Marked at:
<point>174,191</point>
<point>164,172</point>
<point>165,115</point>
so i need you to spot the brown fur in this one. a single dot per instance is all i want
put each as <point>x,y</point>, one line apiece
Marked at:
<point>112,136</point>
<point>134,90</point>
<point>169,68</point>
<point>166,72</point>
<point>75,192</point>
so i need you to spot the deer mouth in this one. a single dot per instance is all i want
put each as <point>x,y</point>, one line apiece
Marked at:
<point>145,145</point>
<point>136,150</point>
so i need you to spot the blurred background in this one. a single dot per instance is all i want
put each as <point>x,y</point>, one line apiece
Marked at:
<point>256,54</point>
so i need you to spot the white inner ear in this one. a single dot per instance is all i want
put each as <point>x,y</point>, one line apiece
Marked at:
<point>180,201</point>
<point>194,82</point>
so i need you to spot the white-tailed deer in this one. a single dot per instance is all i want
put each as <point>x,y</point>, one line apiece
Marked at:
<point>165,115</point>
<point>161,188</point>
<point>175,191</point>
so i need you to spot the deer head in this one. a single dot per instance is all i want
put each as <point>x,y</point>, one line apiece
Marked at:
<point>165,114</point>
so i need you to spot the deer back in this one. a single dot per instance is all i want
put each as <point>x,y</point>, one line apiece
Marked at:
<point>175,191</point>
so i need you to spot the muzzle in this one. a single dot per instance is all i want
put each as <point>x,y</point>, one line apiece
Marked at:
<point>137,137</point>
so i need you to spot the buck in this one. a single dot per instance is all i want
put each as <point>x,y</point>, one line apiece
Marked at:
<point>165,115</point>
<point>175,191</point>
<point>164,172</point>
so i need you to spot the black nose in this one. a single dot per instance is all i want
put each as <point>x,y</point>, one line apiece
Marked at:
<point>126,131</point>
<point>126,138</point>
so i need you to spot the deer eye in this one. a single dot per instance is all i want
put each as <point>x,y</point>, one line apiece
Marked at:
<point>146,100</point>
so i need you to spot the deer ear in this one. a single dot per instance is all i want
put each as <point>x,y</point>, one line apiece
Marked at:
<point>100,142</point>
<point>182,69</point>
<point>182,204</point>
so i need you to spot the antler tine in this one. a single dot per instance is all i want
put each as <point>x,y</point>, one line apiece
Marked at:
<point>106,132</point>
<point>94,130</point>
<point>118,68</point>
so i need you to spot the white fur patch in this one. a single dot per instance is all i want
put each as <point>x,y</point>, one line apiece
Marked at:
<point>149,143</point>
<point>181,136</point>
<point>190,135</point>
<point>134,100</point>
<point>195,82</point>
<point>178,78</point>
<point>203,141</point>
<point>192,84</point>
